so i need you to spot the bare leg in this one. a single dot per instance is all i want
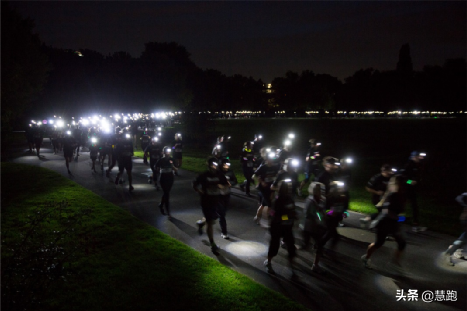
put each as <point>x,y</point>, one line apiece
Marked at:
<point>371,249</point>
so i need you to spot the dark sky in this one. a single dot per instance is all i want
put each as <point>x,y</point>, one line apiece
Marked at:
<point>262,39</point>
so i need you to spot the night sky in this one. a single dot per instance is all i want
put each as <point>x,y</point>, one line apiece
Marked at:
<point>262,39</point>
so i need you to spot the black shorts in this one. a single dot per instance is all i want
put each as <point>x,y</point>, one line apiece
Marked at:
<point>68,153</point>
<point>125,163</point>
<point>209,209</point>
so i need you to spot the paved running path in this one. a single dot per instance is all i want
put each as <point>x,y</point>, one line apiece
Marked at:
<point>347,285</point>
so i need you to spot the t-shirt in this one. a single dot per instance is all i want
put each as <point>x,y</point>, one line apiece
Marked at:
<point>165,165</point>
<point>378,183</point>
<point>395,205</point>
<point>283,211</point>
<point>177,146</point>
<point>231,178</point>
<point>155,151</point>
<point>209,182</point>
<point>325,178</point>
<point>124,148</point>
<point>247,159</point>
<point>267,173</point>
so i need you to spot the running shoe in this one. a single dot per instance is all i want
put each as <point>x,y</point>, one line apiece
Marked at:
<point>448,259</point>
<point>268,266</point>
<point>458,254</point>
<point>419,229</point>
<point>161,206</point>
<point>200,224</point>
<point>364,223</point>
<point>225,236</point>
<point>214,248</point>
<point>366,262</point>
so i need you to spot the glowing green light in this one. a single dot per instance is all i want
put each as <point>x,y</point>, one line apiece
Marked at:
<point>318,216</point>
<point>409,182</point>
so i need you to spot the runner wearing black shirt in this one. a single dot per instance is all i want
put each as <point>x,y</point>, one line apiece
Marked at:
<point>154,152</point>
<point>208,185</point>
<point>124,150</point>
<point>266,174</point>
<point>167,169</point>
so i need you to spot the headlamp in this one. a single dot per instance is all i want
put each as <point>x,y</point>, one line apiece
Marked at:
<point>348,160</point>
<point>318,144</point>
<point>127,135</point>
<point>287,143</point>
<point>68,132</point>
<point>94,140</point>
<point>295,163</point>
<point>271,155</point>
<point>291,136</point>
<point>422,155</point>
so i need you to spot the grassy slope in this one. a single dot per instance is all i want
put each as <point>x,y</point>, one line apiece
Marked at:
<point>121,264</point>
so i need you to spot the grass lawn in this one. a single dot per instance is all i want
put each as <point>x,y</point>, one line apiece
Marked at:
<point>65,248</point>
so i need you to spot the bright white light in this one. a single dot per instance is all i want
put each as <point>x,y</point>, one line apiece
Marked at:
<point>287,143</point>
<point>159,129</point>
<point>247,249</point>
<point>288,180</point>
<point>68,132</point>
<point>51,121</point>
<point>271,154</point>
<point>423,154</point>
<point>218,147</point>
<point>339,183</point>
<point>85,122</point>
<point>295,163</point>
<point>93,139</point>
<point>394,170</point>
<point>127,135</point>
<point>292,136</point>
<point>318,144</point>
<point>348,160</point>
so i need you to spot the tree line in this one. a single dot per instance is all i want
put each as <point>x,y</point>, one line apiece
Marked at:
<point>44,79</point>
